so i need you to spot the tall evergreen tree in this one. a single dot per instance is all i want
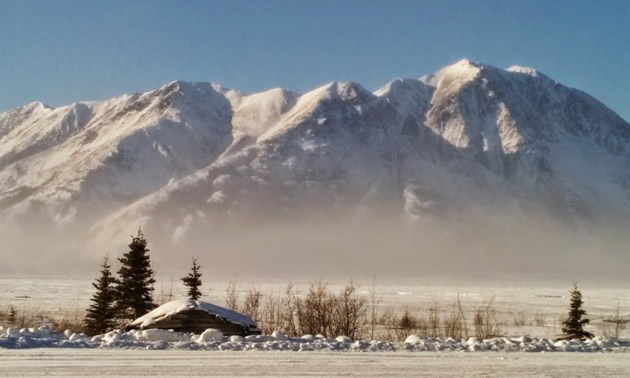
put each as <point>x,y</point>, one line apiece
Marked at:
<point>101,313</point>
<point>193,280</point>
<point>573,326</point>
<point>134,292</point>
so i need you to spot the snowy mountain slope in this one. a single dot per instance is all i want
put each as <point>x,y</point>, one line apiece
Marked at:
<point>80,156</point>
<point>533,132</point>
<point>189,154</point>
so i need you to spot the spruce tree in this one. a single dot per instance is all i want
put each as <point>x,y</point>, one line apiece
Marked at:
<point>101,313</point>
<point>573,326</point>
<point>134,292</point>
<point>193,281</point>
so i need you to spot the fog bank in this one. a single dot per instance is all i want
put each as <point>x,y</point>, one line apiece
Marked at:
<point>471,247</point>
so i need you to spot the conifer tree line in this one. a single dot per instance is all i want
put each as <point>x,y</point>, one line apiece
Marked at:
<point>129,295</point>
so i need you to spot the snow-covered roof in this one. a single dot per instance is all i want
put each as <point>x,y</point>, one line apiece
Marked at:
<point>180,305</point>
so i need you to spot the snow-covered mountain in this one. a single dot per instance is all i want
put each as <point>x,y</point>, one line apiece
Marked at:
<point>185,155</point>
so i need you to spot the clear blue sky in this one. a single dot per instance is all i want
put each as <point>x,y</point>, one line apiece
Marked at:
<point>64,51</point>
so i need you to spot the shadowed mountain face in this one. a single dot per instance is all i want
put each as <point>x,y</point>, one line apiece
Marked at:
<point>471,143</point>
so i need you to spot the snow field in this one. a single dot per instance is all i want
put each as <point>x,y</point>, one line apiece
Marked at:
<point>176,363</point>
<point>537,306</point>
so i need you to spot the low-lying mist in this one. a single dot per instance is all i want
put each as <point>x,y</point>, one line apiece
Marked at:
<point>471,247</point>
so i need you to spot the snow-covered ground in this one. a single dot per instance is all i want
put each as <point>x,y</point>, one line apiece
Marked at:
<point>173,363</point>
<point>38,352</point>
<point>512,301</point>
<point>213,339</point>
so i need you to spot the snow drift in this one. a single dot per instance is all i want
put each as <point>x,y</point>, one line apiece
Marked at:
<point>43,337</point>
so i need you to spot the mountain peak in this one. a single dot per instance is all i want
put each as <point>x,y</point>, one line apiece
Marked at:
<point>348,90</point>
<point>464,65</point>
<point>36,105</point>
<point>526,71</point>
<point>461,71</point>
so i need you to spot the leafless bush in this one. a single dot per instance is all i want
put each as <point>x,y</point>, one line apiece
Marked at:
<point>485,322</point>
<point>273,318</point>
<point>539,320</point>
<point>434,322</point>
<point>251,305</point>
<point>290,311</point>
<point>71,323</point>
<point>519,319</point>
<point>399,327</point>
<point>349,316</point>
<point>613,326</point>
<point>166,292</point>
<point>34,317</point>
<point>231,296</point>
<point>11,316</point>
<point>319,311</point>
<point>315,311</point>
<point>455,325</point>
<point>375,299</point>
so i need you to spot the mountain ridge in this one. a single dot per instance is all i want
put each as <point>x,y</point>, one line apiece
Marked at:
<point>469,135</point>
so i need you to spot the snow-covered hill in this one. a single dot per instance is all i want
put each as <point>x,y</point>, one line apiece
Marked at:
<point>188,155</point>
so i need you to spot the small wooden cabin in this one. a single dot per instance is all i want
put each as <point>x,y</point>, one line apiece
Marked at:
<point>196,316</point>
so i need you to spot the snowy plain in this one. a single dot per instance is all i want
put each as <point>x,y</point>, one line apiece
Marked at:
<point>68,297</point>
<point>163,353</point>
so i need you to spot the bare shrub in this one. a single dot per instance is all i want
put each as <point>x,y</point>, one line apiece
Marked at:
<point>614,325</point>
<point>316,310</point>
<point>290,311</point>
<point>273,318</point>
<point>12,316</point>
<point>485,321</point>
<point>519,319</point>
<point>398,327</point>
<point>251,305</point>
<point>231,296</point>
<point>71,323</point>
<point>166,292</point>
<point>455,325</point>
<point>34,317</point>
<point>375,299</point>
<point>434,320</point>
<point>539,320</point>
<point>435,323</point>
<point>319,311</point>
<point>349,316</point>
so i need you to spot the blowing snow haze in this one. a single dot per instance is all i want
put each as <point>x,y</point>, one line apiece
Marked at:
<point>472,170</point>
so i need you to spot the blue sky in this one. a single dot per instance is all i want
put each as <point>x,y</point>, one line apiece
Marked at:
<point>64,51</point>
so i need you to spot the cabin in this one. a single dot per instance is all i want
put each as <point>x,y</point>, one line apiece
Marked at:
<point>194,316</point>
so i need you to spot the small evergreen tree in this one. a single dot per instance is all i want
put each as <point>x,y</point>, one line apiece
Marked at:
<point>134,292</point>
<point>101,313</point>
<point>573,326</point>
<point>193,281</point>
